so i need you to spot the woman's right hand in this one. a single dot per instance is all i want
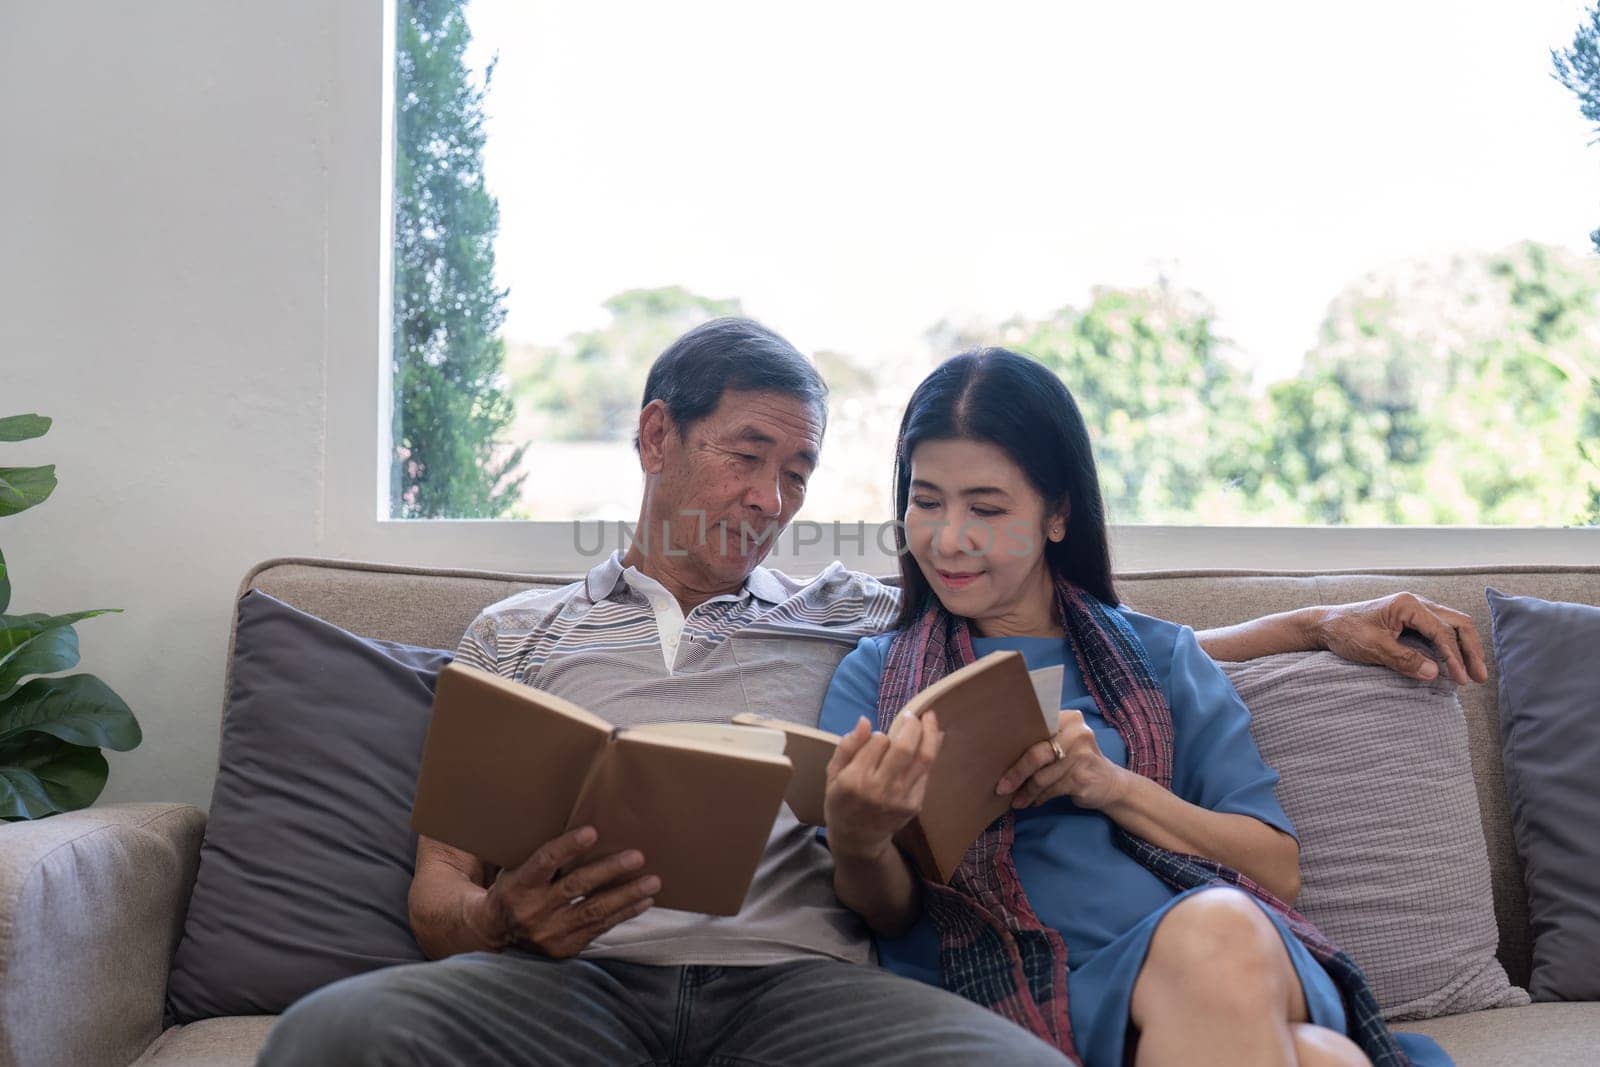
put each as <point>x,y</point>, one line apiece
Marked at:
<point>876,783</point>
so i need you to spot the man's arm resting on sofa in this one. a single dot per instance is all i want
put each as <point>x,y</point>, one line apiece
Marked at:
<point>452,911</point>
<point>1366,632</point>
<point>91,908</point>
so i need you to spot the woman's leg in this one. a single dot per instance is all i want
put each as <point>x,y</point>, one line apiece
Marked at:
<point>1317,1046</point>
<point>1217,987</point>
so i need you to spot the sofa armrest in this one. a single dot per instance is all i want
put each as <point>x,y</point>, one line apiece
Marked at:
<point>91,907</point>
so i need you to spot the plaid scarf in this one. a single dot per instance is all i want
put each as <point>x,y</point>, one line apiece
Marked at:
<point>992,947</point>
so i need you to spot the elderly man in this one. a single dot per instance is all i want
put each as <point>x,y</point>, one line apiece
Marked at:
<point>534,969</point>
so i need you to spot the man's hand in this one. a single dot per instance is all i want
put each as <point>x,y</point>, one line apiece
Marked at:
<point>1081,772</point>
<point>530,907</point>
<point>1369,632</point>
<point>876,783</point>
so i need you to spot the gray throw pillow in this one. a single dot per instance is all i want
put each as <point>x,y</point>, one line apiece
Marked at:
<point>1377,779</point>
<point>308,851</point>
<point>1548,656</point>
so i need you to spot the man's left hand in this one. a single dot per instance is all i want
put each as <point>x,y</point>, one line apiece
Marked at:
<point>1369,632</point>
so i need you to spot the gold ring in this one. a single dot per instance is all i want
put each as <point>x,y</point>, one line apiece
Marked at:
<point>1055,746</point>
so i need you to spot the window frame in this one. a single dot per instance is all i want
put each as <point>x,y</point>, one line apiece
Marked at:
<point>358,145</point>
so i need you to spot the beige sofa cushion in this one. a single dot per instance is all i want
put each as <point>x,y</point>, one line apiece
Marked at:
<point>1376,778</point>
<point>1550,1035</point>
<point>231,1041</point>
<point>91,904</point>
<point>1538,1035</point>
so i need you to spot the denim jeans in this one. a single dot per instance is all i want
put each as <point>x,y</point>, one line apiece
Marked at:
<point>519,1008</point>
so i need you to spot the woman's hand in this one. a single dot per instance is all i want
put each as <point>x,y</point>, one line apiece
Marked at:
<point>876,783</point>
<point>1081,772</point>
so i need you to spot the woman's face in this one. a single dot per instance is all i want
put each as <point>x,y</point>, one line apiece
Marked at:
<point>978,529</point>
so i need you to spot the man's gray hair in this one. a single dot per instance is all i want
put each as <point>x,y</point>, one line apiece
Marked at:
<point>729,353</point>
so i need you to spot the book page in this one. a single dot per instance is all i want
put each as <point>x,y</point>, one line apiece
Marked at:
<point>750,718</point>
<point>810,750</point>
<point>1047,687</point>
<point>719,735</point>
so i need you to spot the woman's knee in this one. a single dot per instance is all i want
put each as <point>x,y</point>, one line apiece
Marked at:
<point>1218,944</point>
<point>1317,1046</point>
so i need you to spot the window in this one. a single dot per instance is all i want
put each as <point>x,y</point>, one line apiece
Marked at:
<point>1298,266</point>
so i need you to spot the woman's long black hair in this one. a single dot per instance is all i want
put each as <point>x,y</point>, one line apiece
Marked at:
<point>1016,404</point>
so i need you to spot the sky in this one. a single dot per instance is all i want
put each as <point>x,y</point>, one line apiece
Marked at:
<point>856,172</point>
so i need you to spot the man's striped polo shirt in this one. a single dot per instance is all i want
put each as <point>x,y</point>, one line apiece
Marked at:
<point>618,644</point>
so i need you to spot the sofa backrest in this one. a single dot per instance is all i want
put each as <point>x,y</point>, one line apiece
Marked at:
<point>433,607</point>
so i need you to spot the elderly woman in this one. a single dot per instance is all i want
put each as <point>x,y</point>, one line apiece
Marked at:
<point>1133,906</point>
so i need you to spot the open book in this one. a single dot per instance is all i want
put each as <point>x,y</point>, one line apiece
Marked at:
<point>508,767</point>
<point>991,711</point>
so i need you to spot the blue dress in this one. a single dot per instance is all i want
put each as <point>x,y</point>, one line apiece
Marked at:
<point>1105,903</point>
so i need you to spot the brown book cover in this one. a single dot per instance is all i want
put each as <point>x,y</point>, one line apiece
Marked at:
<point>507,767</point>
<point>990,713</point>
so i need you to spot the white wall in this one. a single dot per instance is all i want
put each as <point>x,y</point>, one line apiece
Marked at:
<point>162,275</point>
<point>191,283</point>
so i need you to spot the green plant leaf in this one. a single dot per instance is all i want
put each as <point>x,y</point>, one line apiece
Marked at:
<point>23,487</point>
<point>15,629</point>
<point>5,585</point>
<point>22,795</point>
<point>49,652</point>
<point>23,427</point>
<point>80,709</point>
<point>41,775</point>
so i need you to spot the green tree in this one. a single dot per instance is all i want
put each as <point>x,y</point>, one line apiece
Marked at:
<point>1578,68</point>
<point>588,388</point>
<point>451,407</point>
<point>1316,455</point>
<point>1164,396</point>
<point>1455,391</point>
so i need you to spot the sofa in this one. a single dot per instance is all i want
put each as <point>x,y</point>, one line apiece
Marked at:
<point>92,903</point>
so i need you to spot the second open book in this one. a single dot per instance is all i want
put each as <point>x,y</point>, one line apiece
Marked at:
<point>990,711</point>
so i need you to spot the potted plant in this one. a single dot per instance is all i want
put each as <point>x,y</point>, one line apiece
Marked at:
<point>52,727</point>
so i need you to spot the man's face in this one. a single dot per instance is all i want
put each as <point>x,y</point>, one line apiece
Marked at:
<point>729,483</point>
